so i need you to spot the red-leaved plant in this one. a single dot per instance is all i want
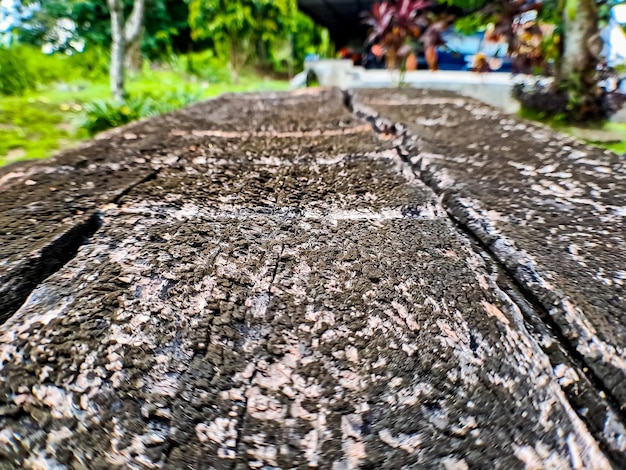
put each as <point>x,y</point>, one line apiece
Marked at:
<point>392,23</point>
<point>379,19</point>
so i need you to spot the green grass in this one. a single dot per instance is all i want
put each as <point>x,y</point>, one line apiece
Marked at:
<point>32,128</point>
<point>617,130</point>
<point>617,147</point>
<point>39,123</point>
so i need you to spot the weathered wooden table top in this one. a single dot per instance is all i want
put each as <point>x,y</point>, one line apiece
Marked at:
<point>378,279</point>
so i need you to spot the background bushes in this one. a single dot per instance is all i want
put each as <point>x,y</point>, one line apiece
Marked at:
<point>24,68</point>
<point>101,115</point>
<point>15,76</point>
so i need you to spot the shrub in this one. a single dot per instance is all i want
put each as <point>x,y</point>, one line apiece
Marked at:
<point>94,61</point>
<point>558,105</point>
<point>204,65</point>
<point>48,68</point>
<point>23,68</point>
<point>102,115</point>
<point>177,99</point>
<point>16,78</point>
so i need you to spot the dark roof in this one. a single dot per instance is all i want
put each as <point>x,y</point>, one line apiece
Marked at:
<point>341,17</point>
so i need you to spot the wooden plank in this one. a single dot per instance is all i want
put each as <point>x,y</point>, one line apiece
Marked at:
<point>240,311</point>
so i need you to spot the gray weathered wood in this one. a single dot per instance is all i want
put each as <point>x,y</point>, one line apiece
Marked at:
<point>283,291</point>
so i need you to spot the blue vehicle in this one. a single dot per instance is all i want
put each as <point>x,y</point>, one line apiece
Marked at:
<point>460,50</point>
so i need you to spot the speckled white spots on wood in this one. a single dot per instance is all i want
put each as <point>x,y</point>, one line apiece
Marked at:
<point>495,312</point>
<point>360,129</point>
<point>259,339</point>
<point>429,212</point>
<point>134,454</point>
<point>61,404</point>
<point>273,377</point>
<point>452,463</point>
<point>457,338</point>
<point>314,439</point>
<point>541,457</point>
<point>352,354</point>
<point>408,396</point>
<point>264,454</point>
<point>222,431</point>
<point>258,304</point>
<point>38,461</point>
<point>615,430</point>
<point>21,324</point>
<point>409,443</point>
<point>533,363</point>
<point>403,101</point>
<point>444,179</point>
<point>565,375</point>
<point>588,342</point>
<point>352,443</point>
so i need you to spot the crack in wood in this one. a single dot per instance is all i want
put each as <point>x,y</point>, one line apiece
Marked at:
<point>595,396</point>
<point>21,282</point>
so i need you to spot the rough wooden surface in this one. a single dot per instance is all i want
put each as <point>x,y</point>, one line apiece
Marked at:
<point>552,210</point>
<point>275,287</point>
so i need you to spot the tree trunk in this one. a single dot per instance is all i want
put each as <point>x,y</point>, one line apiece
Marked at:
<point>263,54</point>
<point>118,46</point>
<point>292,56</point>
<point>133,58</point>
<point>576,70</point>
<point>233,64</point>
<point>123,33</point>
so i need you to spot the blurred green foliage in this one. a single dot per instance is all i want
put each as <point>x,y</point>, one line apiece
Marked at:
<point>24,68</point>
<point>270,34</point>
<point>49,101</point>
<point>15,78</point>
<point>29,129</point>
<point>101,115</point>
<point>310,38</point>
<point>242,29</point>
<point>205,65</point>
<point>260,28</point>
<point>473,23</point>
<point>166,27</point>
<point>51,116</point>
